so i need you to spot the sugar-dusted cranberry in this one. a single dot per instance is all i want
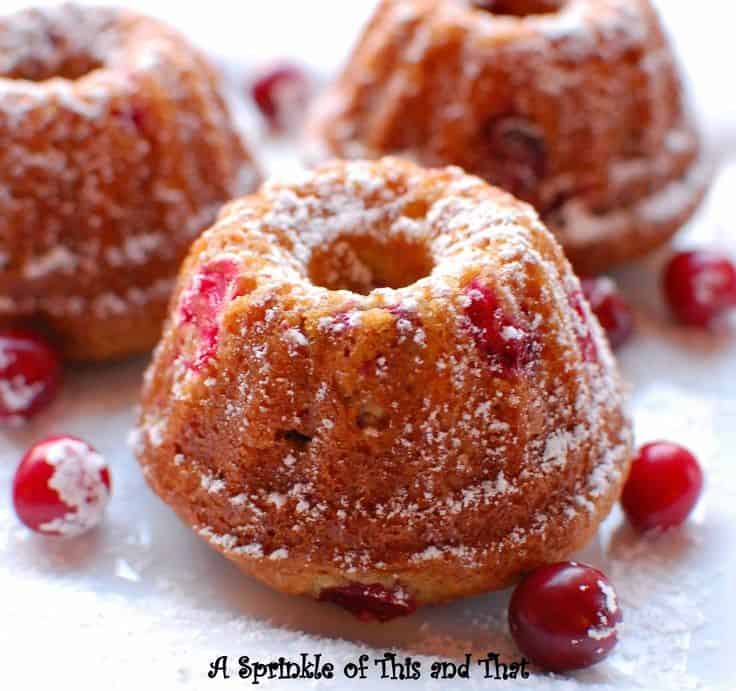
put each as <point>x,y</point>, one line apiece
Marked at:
<point>664,485</point>
<point>495,332</point>
<point>61,487</point>
<point>30,372</point>
<point>282,94</point>
<point>565,616</point>
<point>372,602</point>
<point>203,301</point>
<point>610,306</point>
<point>584,334</point>
<point>700,286</point>
<point>517,155</point>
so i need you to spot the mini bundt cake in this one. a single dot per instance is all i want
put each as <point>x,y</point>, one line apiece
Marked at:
<point>381,386</point>
<point>116,150</point>
<point>575,106</point>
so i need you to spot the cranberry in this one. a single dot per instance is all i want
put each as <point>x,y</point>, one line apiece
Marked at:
<point>138,118</point>
<point>518,8</point>
<point>132,116</point>
<point>30,372</point>
<point>565,616</point>
<point>663,487</point>
<point>613,312</point>
<point>517,155</point>
<point>203,301</point>
<point>282,94</point>
<point>61,487</point>
<point>488,5</point>
<point>495,332</point>
<point>586,342</point>
<point>371,602</point>
<point>700,286</point>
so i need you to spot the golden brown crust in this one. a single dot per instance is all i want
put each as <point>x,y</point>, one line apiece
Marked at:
<point>579,111</point>
<point>330,436</point>
<point>116,150</point>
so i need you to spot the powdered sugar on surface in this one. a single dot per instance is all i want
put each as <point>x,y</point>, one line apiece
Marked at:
<point>150,601</point>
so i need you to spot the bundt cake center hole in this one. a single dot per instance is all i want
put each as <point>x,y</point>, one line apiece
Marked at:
<point>519,8</point>
<point>71,68</point>
<point>362,263</point>
<point>65,42</point>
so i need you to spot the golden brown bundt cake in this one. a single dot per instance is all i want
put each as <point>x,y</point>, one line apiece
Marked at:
<point>116,150</point>
<point>380,385</point>
<point>575,106</point>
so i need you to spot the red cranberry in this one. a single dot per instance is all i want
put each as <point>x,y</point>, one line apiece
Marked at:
<point>282,94</point>
<point>663,487</point>
<point>30,372</point>
<point>518,8</point>
<point>371,602</point>
<point>517,155</point>
<point>495,332</point>
<point>700,286</point>
<point>139,119</point>
<point>565,616</point>
<point>613,312</point>
<point>202,303</point>
<point>61,487</point>
<point>586,342</point>
<point>132,116</point>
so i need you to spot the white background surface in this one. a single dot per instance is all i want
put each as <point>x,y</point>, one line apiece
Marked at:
<point>144,603</point>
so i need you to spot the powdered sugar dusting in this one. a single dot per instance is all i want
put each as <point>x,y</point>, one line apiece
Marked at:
<point>17,393</point>
<point>77,481</point>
